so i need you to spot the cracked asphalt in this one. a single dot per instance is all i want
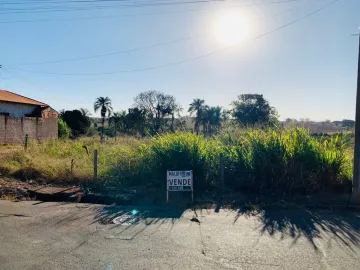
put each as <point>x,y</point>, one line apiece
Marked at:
<point>36,235</point>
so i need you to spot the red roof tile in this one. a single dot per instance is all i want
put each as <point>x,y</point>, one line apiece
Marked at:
<point>12,97</point>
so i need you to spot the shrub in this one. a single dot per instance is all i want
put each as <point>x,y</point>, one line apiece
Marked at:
<point>63,129</point>
<point>77,122</point>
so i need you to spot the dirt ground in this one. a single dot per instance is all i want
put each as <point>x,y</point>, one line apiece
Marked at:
<point>11,189</point>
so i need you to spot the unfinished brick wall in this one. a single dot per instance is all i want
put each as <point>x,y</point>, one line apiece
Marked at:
<point>14,129</point>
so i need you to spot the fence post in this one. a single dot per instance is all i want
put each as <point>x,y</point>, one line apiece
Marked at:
<point>26,141</point>
<point>222,172</point>
<point>72,168</point>
<point>95,163</point>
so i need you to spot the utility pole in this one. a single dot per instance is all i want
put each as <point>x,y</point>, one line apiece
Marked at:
<point>356,177</point>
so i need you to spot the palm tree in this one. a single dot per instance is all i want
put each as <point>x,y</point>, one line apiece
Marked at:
<point>211,119</point>
<point>85,112</point>
<point>171,110</point>
<point>176,110</point>
<point>217,117</point>
<point>197,106</point>
<point>206,116</point>
<point>104,104</point>
<point>117,121</point>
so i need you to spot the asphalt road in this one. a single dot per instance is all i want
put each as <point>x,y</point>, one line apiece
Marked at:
<point>37,235</point>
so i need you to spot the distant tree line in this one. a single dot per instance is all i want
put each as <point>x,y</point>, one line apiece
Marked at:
<point>155,112</point>
<point>345,123</point>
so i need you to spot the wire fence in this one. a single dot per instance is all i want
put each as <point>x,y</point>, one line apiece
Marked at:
<point>85,158</point>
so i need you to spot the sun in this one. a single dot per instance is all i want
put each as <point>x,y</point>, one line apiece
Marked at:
<point>230,28</point>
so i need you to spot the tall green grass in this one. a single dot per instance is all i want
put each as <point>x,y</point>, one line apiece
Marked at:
<point>286,160</point>
<point>268,161</point>
<point>182,151</point>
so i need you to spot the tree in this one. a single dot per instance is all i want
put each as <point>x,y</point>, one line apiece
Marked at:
<point>217,117</point>
<point>225,115</point>
<point>348,123</point>
<point>197,106</point>
<point>157,107</point>
<point>290,120</point>
<point>64,131</point>
<point>251,109</point>
<point>78,123</point>
<point>117,121</point>
<point>61,112</point>
<point>205,116</point>
<point>104,104</point>
<point>85,112</point>
<point>136,120</point>
<point>211,118</point>
<point>175,109</point>
<point>336,123</point>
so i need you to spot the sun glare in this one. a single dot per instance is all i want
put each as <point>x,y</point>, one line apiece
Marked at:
<point>230,28</point>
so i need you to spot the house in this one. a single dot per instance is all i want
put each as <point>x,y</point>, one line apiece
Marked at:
<point>12,104</point>
<point>21,116</point>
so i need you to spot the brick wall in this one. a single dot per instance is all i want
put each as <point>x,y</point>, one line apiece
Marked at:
<point>14,129</point>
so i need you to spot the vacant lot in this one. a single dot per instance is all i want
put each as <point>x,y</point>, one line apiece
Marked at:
<point>286,160</point>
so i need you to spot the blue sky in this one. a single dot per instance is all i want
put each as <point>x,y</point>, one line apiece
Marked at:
<point>306,70</point>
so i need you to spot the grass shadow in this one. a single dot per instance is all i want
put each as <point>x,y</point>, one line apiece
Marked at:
<point>342,227</point>
<point>129,222</point>
<point>153,214</point>
<point>114,222</point>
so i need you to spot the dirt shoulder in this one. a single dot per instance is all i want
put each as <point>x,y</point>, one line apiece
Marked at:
<point>11,189</point>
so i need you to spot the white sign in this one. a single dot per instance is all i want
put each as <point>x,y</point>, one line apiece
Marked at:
<point>179,181</point>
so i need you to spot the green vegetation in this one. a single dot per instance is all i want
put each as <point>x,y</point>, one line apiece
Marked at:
<point>155,113</point>
<point>64,131</point>
<point>76,121</point>
<point>253,109</point>
<point>286,160</point>
<point>151,137</point>
<point>85,112</point>
<point>159,110</point>
<point>209,117</point>
<point>272,160</point>
<point>104,105</point>
<point>51,160</point>
<point>133,122</point>
<point>198,107</point>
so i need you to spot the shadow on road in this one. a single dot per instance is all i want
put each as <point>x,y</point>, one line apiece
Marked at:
<point>133,216</point>
<point>136,219</point>
<point>342,227</point>
<point>124,223</point>
<point>116,215</point>
<point>128,215</point>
